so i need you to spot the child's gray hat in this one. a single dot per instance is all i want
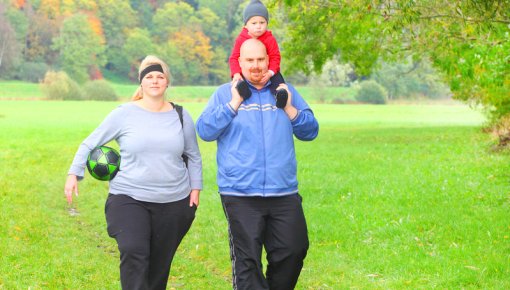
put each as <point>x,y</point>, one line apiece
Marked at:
<point>255,8</point>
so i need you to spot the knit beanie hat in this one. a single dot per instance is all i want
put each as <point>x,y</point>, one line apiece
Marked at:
<point>255,8</point>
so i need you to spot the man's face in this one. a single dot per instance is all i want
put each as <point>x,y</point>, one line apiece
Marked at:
<point>254,63</point>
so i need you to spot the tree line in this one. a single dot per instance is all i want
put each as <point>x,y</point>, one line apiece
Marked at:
<point>89,40</point>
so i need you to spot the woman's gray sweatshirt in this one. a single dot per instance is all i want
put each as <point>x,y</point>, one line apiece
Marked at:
<point>151,145</point>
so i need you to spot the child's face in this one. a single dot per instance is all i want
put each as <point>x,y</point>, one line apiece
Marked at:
<point>256,26</point>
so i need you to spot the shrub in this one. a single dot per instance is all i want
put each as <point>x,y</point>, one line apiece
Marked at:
<point>32,71</point>
<point>501,132</point>
<point>99,90</point>
<point>59,86</point>
<point>371,92</point>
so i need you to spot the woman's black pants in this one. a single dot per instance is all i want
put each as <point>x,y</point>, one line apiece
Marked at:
<point>147,236</point>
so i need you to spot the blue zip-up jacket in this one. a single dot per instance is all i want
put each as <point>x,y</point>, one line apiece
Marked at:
<point>255,153</point>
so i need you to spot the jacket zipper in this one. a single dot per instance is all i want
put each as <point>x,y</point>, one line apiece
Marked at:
<point>263,144</point>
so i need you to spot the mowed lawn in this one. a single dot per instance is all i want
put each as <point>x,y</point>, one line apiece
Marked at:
<point>396,197</point>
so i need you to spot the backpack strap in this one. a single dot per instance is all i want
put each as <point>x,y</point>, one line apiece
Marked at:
<point>179,112</point>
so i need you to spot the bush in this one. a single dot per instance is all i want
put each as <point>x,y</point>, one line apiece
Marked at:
<point>59,86</point>
<point>99,90</point>
<point>32,71</point>
<point>371,92</point>
<point>501,132</point>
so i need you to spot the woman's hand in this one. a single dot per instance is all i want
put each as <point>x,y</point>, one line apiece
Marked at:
<point>70,187</point>
<point>194,197</point>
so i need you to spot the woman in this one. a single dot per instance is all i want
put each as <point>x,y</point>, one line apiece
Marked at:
<point>154,196</point>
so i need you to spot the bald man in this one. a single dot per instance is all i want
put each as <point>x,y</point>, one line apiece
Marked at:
<point>257,169</point>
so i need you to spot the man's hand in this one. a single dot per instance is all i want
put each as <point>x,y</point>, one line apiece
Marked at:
<point>289,109</point>
<point>237,77</point>
<point>236,100</point>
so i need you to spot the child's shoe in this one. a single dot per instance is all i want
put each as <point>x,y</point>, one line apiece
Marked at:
<point>243,89</point>
<point>281,98</point>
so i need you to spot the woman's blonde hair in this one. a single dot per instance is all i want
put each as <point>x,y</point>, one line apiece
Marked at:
<point>148,61</point>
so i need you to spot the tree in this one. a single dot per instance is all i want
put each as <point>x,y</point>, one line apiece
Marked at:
<point>117,18</point>
<point>39,39</point>
<point>9,46</point>
<point>230,14</point>
<point>138,45</point>
<point>409,79</point>
<point>466,40</point>
<point>230,10</point>
<point>333,74</point>
<point>50,8</point>
<point>189,33</point>
<point>218,70</point>
<point>81,49</point>
<point>194,48</point>
<point>173,17</point>
<point>214,27</point>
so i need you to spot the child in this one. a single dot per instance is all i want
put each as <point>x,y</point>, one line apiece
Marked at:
<point>256,17</point>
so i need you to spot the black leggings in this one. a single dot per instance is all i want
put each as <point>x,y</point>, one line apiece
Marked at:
<point>147,236</point>
<point>276,80</point>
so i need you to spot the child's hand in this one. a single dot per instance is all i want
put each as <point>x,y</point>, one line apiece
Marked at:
<point>266,77</point>
<point>236,78</point>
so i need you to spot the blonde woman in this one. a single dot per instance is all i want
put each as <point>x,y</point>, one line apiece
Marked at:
<point>153,198</point>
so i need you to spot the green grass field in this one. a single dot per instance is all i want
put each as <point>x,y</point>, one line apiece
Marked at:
<point>396,197</point>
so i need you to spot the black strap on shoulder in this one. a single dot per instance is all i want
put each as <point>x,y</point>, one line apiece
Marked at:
<point>179,112</point>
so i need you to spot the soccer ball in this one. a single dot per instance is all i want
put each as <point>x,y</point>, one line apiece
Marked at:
<point>103,163</point>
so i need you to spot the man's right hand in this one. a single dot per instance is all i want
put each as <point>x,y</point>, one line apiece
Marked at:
<point>244,89</point>
<point>236,77</point>
<point>236,100</point>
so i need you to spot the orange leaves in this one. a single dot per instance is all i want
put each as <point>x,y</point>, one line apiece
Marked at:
<point>95,24</point>
<point>193,45</point>
<point>19,3</point>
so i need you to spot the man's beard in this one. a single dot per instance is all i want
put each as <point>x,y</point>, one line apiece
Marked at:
<point>256,75</point>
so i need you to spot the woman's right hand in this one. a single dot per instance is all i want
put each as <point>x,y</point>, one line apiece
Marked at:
<point>70,187</point>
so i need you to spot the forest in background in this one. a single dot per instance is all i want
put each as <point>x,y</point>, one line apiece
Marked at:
<point>92,40</point>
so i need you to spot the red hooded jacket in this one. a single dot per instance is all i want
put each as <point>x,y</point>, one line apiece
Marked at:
<point>271,46</point>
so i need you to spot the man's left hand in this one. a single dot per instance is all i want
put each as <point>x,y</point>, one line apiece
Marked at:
<point>289,109</point>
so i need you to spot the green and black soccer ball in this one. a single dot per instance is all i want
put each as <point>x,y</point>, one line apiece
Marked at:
<point>103,163</point>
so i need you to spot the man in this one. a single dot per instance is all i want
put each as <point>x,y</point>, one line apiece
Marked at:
<point>257,173</point>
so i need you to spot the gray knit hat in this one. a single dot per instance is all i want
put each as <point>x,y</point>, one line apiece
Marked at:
<point>255,8</point>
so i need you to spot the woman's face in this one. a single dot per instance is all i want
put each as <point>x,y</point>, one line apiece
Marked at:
<point>154,84</point>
